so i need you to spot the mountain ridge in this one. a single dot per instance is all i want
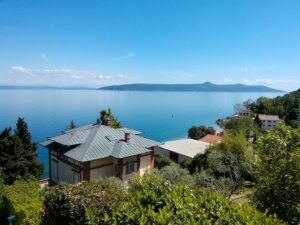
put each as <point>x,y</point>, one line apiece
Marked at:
<point>202,87</point>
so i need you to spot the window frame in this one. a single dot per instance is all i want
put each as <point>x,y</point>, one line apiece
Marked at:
<point>130,167</point>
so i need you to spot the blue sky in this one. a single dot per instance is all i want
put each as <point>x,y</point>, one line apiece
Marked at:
<point>97,43</point>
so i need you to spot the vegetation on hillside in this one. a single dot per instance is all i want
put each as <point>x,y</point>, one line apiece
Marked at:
<point>148,200</point>
<point>286,107</point>
<point>278,173</point>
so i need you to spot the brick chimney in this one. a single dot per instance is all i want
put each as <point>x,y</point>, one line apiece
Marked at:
<point>106,122</point>
<point>127,137</point>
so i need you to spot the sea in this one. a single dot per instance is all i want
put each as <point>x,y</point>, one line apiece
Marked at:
<point>161,116</point>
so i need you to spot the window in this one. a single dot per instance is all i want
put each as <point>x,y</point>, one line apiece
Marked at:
<point>76,177</point>
<point>129,167</point>
<point>54,169</point>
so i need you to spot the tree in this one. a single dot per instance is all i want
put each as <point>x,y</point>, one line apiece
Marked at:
<point>278,173</point>
<point>223,167</point>
<point>71,126</point>
<point>18,155</point>
<point>199,132</point>
<point>106,114</point>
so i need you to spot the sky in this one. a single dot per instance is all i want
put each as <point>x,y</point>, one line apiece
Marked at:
<point>107,42</point>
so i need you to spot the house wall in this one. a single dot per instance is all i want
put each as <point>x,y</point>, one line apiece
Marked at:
<point>267,124</point>
<point>102,168</point>
<point>145,164</point>
<point>164,152</point>
<point>65,171</point>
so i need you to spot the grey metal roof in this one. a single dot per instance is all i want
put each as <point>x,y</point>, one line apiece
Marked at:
<point>99,141</point>
<point>130,131</point>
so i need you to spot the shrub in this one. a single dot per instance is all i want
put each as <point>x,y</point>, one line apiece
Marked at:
<point>83,203</point>
<point>161,161</point>
<point>23,199</point>
<point>153,201</point>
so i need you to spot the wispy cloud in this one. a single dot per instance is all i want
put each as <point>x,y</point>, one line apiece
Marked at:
<point>227,80</point>
<point>70,76</point>
<point>247,69</point>
<point>268,81</point>
<point>127,56</point>
<point>44,56</point>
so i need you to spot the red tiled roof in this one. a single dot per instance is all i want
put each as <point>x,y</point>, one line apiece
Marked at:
<point>268,117</point>
<point>211,139</point>
<point>245,111</point>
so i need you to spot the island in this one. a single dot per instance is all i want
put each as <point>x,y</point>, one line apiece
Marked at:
<point>203,87</point>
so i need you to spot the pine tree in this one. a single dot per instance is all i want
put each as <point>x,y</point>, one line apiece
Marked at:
<point>18,155</point>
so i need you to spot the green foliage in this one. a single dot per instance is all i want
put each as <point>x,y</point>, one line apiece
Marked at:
<point>162,161</point>
<point>223,167</point>
<point>18,155</point>
<point>243,125</point>
<point>287,107</point>
<point>199,132</point>
<point>83,203</point>
<point>71,126</point>
<point>153,201</point>
<point>175,174</point>
<point>104,114</point>
<point>23,199</point>
<point>278,173</point>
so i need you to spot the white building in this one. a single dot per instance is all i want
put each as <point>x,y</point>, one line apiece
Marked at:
<point>180,150</point>
<point>268,121</point>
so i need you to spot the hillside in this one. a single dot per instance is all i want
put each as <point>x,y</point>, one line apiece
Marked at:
<point>287,107</point>
<point>204,87</point>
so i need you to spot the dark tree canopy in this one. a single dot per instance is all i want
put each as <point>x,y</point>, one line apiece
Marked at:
<point>18,155</point>
<point>199,132</point>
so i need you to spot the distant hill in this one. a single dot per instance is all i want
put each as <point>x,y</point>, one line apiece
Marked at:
<point>204,87</point>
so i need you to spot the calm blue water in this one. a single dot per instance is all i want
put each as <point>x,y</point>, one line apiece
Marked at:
<point>161,116</point>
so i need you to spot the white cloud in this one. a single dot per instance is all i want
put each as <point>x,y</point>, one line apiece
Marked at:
<point>127,56</point>
<point>268,81</point>
<point>247,69</point>
<point>227,80</point>
<point>68,76</point>
<point>44,56</point>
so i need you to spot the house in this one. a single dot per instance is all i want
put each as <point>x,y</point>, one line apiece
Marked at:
<point>98,151</point>
<point>211,139</point>
<point>267,121</point>
<point>244,112</point>
<point>180,150</point>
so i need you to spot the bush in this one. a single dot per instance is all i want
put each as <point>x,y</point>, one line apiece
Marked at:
<point>83,203</point>
<point>23,199</point>
<point>162,161</point>
<point>153,201</point>
<point>174,174</point>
